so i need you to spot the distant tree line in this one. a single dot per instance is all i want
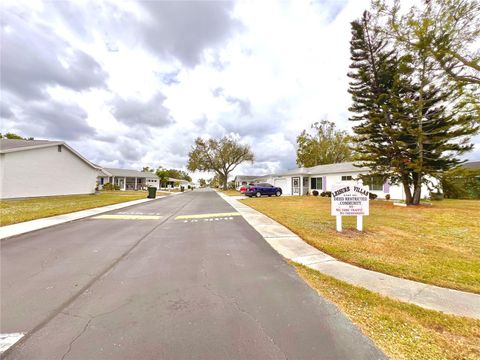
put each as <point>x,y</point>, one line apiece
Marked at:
<point>164,174</point>
<point>14,136</point>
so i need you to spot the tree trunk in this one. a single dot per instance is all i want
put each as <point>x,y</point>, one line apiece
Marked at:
<point>224,179</point>
<point>407,190</point>
<point>408,193</point>
<point>417,192</point>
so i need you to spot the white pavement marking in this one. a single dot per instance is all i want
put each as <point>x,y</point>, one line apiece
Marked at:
<point>7,340</point>
<point>291,246</point>
<point>205,216</point>
<point>126,217</point>
<point>207,220</point>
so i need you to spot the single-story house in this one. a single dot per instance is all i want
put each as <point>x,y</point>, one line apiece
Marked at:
<point>241,180</point>
<point>303,181</point>
<point>31,168</point>
<point>177,183</point>
<point>128,179</point>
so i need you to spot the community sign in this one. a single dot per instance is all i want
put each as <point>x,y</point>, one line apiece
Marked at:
<point>350,199</point>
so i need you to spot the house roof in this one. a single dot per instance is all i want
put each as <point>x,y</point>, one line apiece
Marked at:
<point>131,173</point>
<point>15,145</point>
<point>336,168</point>
<point>11,145</point>
<point>179,180</point>
<point>247,177</point>
<point>344,167</point>
<point>472,165</point>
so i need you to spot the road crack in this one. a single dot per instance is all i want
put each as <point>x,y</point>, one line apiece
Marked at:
<point>70,345</point>
<point>232,301</point>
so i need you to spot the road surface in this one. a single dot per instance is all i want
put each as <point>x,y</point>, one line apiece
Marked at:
<point>183,277</point>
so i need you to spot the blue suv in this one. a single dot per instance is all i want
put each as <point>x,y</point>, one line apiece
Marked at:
<point>263,189</point>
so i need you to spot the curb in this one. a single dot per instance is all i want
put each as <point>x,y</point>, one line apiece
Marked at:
<point>292,247</point>
<point>9,231</point>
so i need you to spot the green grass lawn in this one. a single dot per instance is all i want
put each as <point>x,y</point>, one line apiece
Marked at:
<point>19,210</point>
<point>403,331</point>
<point>437,244</point>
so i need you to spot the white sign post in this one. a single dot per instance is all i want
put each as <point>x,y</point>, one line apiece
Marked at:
<point>350,199</point>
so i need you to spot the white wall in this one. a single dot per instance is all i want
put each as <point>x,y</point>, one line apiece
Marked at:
<point>45,172</point>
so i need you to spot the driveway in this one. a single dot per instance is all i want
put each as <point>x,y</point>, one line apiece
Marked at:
<point>181,277</point>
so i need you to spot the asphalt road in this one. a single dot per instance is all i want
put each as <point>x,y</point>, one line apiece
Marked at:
<point>165,288</point>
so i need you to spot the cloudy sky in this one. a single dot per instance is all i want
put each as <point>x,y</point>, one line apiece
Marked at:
<point>130,84</point>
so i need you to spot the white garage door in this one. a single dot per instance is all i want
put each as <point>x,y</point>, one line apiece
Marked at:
<point>282,183</point>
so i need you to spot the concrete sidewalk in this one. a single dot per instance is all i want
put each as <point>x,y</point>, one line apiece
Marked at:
<point>292,247</point>
<point>27,226</point>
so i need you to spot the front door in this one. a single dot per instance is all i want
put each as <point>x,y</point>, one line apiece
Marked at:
<point>305,185</point>
<point>295,186</point>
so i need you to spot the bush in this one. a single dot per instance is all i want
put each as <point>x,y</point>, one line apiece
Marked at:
<point>387,197</point>
<point>315,193</point>
<point>326,194</point>
<point>461,183</point>
<point>372,196</point>
<point>436,196</point>
<point>108,186</point>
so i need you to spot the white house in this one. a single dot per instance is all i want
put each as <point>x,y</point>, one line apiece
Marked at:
<point>241,180</point>
<point>30,168</point>
<point>128,179</point>
<point>302,181</point>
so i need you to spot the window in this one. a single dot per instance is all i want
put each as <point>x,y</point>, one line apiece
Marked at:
<point>347,178</point>
<point>59,148</point>
<point>316,183</point>
<point>375,183</point>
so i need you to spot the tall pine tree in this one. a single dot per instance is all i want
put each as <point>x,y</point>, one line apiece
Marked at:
<point>377,89</point>
<point>410,125</point>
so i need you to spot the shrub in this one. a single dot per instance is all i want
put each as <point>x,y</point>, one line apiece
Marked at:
<point>436,196</point>
<point>326,194</point>
<point>372,196</point>
<point>315,193</point>
<point>108,186</point>
<point>387,197</point>
<point>116,187</point>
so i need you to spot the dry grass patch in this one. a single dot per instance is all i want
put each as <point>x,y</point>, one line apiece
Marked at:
<point>231,192</point>
<point>438,244</point>
<point>20,210</point>
<point>403,331</point>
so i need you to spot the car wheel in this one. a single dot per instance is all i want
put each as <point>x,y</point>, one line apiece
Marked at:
<point>278,193</point>
<point>258,194</point>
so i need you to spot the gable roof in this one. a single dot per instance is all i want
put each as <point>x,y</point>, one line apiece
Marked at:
<point>130,173</point>
<point>344,167</point>
<point>15,145</point>
<point>246,177</point>
<point>472,164</point>
<point>11,145</point>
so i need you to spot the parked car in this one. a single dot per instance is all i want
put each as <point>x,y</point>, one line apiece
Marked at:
<point>244,188</point>
<point>263,189</point>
